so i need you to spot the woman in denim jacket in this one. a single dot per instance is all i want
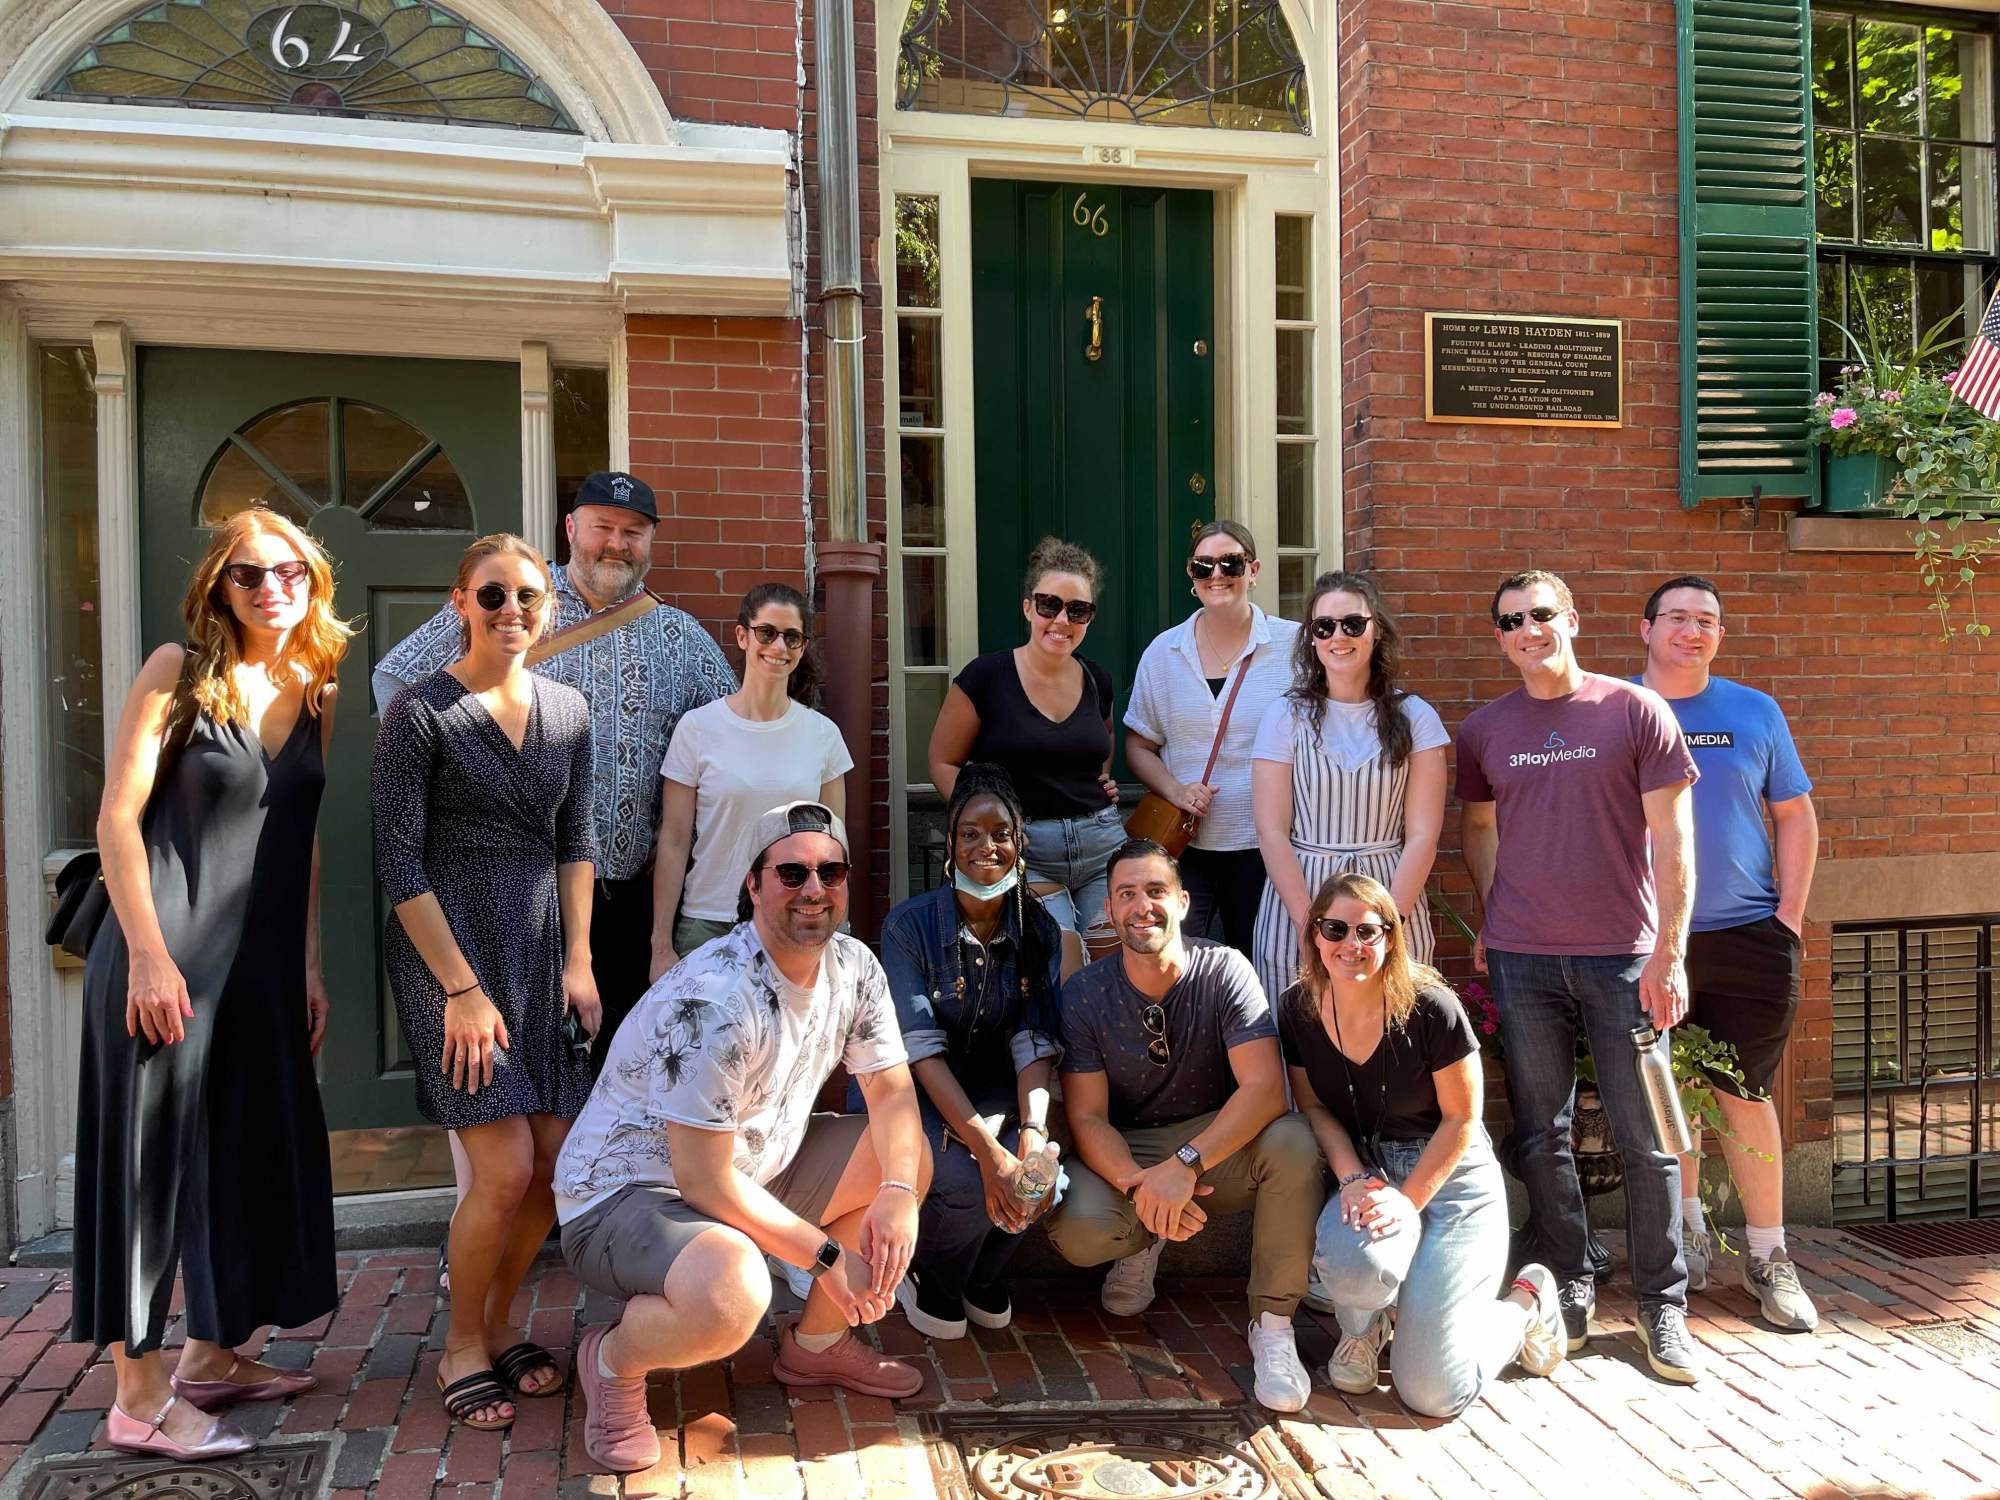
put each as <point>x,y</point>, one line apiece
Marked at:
<point>973,968</point>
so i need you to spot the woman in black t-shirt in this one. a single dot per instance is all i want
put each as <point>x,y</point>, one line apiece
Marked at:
<point>1042,713</point>
<point>1384,1063</point>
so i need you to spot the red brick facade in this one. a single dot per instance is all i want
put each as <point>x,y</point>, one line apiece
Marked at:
<point>1521,157</point>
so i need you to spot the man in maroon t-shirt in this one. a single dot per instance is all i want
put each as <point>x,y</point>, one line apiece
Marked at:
<point>1565,781</point>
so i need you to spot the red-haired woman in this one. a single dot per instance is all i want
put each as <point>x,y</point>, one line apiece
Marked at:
<point>200,1139</point>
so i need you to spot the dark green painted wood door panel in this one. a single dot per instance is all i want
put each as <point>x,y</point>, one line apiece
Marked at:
<point>391,572</point>
<point>1106,451</point>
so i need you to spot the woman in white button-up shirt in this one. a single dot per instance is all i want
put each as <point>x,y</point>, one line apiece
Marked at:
<point>1177,698</point>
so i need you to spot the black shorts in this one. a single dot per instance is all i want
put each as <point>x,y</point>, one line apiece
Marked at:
<point>1745,984</point>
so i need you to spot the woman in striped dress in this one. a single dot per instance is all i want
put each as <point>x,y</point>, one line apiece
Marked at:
<point>1347,775</point>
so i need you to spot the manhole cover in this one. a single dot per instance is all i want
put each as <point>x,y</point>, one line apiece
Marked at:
<point>1092,1456</point>
<point>1954,1340</point>
<point>292,1472</point>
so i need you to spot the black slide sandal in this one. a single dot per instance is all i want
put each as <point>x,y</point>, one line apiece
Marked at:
<point>524,1359</point>
<point>470,1393</point>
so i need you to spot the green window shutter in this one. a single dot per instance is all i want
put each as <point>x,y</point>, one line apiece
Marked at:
<point>1748,320</point>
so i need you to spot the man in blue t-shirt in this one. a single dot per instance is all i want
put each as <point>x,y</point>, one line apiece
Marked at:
<point>1745,939</point>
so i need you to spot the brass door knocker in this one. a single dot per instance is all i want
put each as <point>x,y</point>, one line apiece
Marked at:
<point>1095,316</point>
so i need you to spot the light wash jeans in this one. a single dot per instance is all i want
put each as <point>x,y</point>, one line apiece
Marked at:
<point>1072,853</point>
<point>1452,1334</point>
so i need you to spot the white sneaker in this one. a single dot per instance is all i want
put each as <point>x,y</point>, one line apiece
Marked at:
<point>1544,1343</point>
<point>794,1277</point>
<point>1282,1382</point>
<point>1128,1285</point>
<point>1357,1364</point>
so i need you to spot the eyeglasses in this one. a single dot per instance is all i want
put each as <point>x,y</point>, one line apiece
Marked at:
<point>1154,1019</point>
<point>1232,564</point>
<point>1048,606</point>
<point>1541,614</point>
<point>493,596</point>
<point>1324,627</point>
<point>766,634</point>
<point>972,838</point>
<point>1680,619</point>
<point>248,576</point>
<point>1335,931</point>
<point>832,874</point>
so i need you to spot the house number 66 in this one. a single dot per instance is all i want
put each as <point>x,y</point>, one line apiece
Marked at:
<point>1090,218</point>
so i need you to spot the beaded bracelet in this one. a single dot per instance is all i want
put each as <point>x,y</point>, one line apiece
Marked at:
<point>890,1182</point>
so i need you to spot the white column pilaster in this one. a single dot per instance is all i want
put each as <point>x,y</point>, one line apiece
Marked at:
<point>538,448</point>
<point>117,517</point>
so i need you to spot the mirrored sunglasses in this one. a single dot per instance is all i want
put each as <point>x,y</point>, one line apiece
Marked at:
<point>1541,614</point>
<point>1154,1019</point>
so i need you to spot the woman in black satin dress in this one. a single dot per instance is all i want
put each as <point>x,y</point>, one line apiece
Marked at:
<point>201,1144</point>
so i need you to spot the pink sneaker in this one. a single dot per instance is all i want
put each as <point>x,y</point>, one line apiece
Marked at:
<point>618,1431</point>
<point>850,1364</point>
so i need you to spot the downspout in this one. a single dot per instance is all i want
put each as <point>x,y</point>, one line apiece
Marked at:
<point>848,562</point>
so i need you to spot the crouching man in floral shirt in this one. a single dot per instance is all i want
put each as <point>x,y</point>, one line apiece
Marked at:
<point>699,1153</point>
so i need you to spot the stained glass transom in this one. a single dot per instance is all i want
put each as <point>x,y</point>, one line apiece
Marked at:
<point>314,455</point>
<point>1229,64</point>
<point>386,59</point>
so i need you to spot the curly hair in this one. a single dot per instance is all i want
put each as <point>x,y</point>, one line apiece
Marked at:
<point>1054,555</point>
<point>214,638</point>
<point>1308,690</point>
<point>983,779</point>
<point>807,672</point>
<point>1402,976</point>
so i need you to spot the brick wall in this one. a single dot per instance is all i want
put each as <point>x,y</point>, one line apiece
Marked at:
<point>732,62</point>
<point>1522,158</point>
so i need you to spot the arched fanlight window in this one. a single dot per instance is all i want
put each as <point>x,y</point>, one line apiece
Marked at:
<point>383,59</point>
<point>1227,64</point>
<point>310,455</point>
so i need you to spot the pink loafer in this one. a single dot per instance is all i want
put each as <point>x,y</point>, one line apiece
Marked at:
<point>209,1394</point>
<point>129,1434</point>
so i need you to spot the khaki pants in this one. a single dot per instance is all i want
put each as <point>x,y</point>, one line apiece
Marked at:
<point>1279,1175</point>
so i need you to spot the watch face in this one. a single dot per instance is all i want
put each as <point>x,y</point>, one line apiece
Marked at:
<point>829,1255</point>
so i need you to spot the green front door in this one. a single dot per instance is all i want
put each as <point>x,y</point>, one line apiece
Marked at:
<point>1093,328</point>
<point>393,465</point>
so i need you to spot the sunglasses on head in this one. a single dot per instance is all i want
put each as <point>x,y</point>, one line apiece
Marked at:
<point>832,874</point>
<point>1232,564</point>
<point>1048,606</point>
<point>1324,627</point>
<point>1335,931</point>
<point>1154,1019</point>
<point>493,596</point>
<point>1541,614</point>
<point>247,576</point>
<point>766,634</point>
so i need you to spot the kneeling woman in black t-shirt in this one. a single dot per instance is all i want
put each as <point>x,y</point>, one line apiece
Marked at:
<point>1385,1065</point>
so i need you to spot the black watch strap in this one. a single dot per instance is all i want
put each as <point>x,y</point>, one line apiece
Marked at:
<point>1187,1156</point>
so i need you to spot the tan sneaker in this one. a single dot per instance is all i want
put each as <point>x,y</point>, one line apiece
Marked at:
<point>1356,1366</point>
<point>1128,1285</point>
<point>849,1364</point>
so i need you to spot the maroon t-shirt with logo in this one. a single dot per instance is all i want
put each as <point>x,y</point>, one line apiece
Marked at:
<point>1574,875</point>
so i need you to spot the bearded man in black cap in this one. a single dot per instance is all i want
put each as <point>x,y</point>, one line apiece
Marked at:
<point>639,678</point>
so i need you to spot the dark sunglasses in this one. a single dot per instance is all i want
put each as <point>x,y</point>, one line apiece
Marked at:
<point>1335,931</point>
<point>247,576</point>
<point>1541,614</point>
<point>1324,627</point>
<point>1154,1019</point>
<point>832,874</point>
<point>1048,606</point>
<point>1233,565</point>
<point>493,596</point>
<point>766,634</point>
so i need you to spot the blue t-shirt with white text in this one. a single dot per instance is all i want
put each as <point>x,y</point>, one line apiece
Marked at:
<point>1740,741</point>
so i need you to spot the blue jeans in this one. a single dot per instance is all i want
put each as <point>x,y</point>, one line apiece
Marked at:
<point>1453,1334</point>
<point>1071,854</point>
<point>1544,1000</point>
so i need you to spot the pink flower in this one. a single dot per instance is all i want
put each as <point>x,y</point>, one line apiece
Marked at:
<point>1824,398</point>
<point>1892,395</point>
<point>1487,1028</point>
<point>1950,376</point>
<point>1842,417</point>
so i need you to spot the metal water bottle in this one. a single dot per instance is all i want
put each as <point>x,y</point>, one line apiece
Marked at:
<point>1663,1096</point>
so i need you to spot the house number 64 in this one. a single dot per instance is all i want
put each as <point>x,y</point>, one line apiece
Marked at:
<point>1090,218</point>
<point>290,52</point>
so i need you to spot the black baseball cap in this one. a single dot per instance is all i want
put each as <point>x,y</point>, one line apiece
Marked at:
<point>621,490</point>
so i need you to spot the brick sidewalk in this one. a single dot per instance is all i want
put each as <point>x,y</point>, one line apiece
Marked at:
<point>1898,1394</point>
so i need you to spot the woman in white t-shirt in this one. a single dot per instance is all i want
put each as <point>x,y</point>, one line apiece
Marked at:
<point>1347,775</point>
<point>734,759</point>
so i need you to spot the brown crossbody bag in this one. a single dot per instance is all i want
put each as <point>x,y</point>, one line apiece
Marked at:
<point>1171,827</point>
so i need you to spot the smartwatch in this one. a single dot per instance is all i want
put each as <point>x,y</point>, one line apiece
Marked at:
<point>1190,1158</point>
<point>826,1260</point>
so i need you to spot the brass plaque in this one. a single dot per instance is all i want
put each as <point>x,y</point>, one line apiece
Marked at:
<point>1521,369</point>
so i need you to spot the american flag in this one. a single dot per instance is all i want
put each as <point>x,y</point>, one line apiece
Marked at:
<point>1977,383</point>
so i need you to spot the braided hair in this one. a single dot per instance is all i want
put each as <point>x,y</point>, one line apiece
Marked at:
<point>983,779</point>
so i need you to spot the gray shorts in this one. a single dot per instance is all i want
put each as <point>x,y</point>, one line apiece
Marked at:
<point>625,1245</point>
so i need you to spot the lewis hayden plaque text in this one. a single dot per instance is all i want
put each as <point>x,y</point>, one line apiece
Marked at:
<point>1496,367</point>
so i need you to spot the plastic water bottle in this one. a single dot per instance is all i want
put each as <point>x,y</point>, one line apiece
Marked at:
<point>1038,1174</point>
<point>1662,1095</point>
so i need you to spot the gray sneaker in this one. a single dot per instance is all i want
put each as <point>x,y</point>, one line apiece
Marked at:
<point>1775,1285</point>
<point>1698,1250</point>
<point>1669,1348</point>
